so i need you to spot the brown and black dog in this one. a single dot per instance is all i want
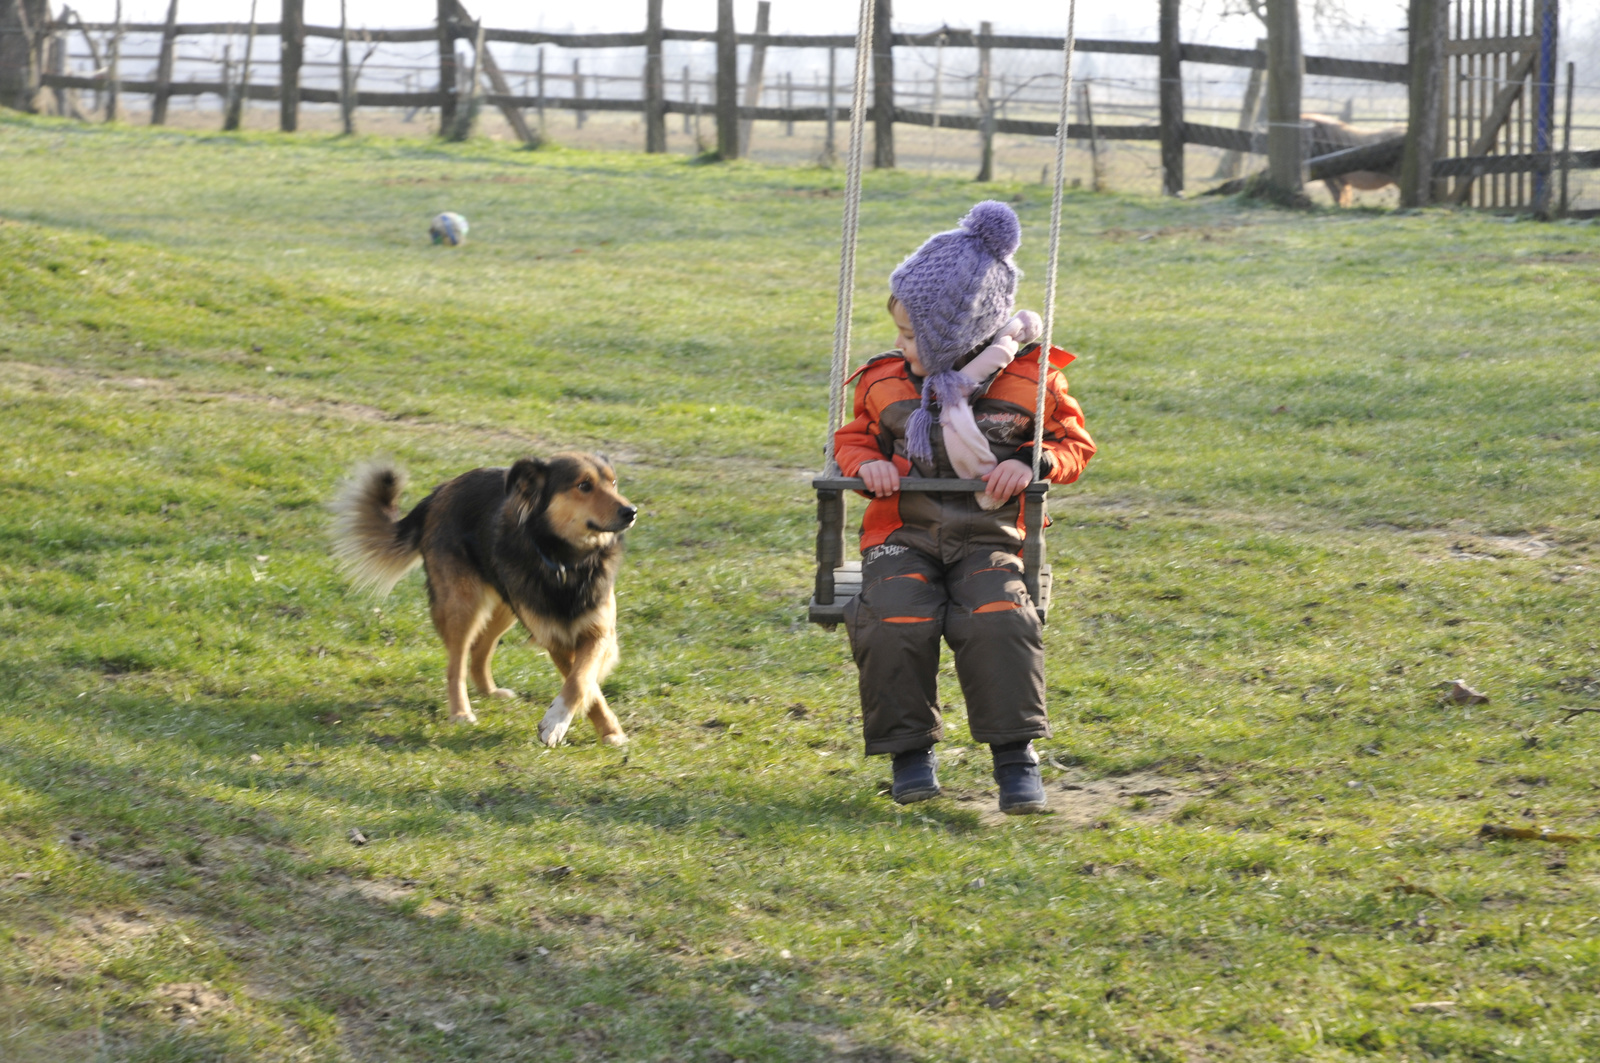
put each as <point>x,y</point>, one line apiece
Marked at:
<point>539,542</point>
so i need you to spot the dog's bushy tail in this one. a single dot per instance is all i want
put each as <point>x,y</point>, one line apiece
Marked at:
<point>373,546</point>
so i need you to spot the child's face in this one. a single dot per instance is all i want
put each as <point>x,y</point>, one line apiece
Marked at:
<point>906,340</point>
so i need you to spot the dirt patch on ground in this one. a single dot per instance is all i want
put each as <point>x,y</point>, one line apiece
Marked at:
<point>841,1045</point>
<point>189,1002</point>
<point>385,891</point>
<point>1500,547</point>
<point>382,891</point>
<point>113,927</point>
<point>1079,802</point>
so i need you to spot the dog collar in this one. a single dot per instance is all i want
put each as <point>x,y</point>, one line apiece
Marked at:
<point>554,566</point>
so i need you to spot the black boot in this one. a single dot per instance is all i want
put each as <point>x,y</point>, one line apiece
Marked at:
<point>914,778</point>
<point>1016,772</point>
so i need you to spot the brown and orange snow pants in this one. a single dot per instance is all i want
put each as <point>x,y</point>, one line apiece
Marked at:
<point>908,602</point>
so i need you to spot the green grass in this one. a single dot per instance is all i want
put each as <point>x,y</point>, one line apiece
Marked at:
<point>1344,458</point>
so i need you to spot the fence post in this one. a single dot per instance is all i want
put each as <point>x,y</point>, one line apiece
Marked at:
<point>447,67</point>
<point>226,74</point>
<point>169,33</point>
<point>830,145</point>
<point>475,82</point>
<point>727,83</point>
<point>1544,104</point>
<point>577,94</point>
<point>1171,98</point>
<point>347,105</point>
<point>1097,181</point>
<point>1426,45</point>
<point>291,52</point>
<point>655,87</point>
<point>235,116</point>
<point>1566,145</point>
<point>541,90</point>
<point>1285,74</point>
<point>788,101</point>
<point>937,103</point>
<point>883,87</point>
<point>114,88</point>
<point>688,98</point>
<point>753,83</point>
<point>985,106</point>
<point>484,66</point>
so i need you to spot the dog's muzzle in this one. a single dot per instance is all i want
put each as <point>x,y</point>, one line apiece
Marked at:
<point>625,518</point>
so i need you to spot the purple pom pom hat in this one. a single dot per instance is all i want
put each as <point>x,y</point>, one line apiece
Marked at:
<point>958,289</point>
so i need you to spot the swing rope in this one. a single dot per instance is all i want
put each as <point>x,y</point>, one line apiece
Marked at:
<point>852,226</point>
<point>1055,237</point>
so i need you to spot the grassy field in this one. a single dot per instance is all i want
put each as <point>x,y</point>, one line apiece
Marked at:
<point>1345,458</point>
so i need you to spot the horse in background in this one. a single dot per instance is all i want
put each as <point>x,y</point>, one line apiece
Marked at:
<point>1327,134</point>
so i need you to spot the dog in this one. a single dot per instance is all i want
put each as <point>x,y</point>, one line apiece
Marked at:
<point>539,543</point>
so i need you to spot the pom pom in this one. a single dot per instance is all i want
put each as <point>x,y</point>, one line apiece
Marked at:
<point>996,227</point>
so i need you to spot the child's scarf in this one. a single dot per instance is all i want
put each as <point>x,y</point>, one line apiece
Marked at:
<point>952,389</point>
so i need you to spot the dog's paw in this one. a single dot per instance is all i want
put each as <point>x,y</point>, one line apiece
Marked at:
<point>505,693</point>
<point>468,716</point>
<point>618,739</point>
<point>553,728</point>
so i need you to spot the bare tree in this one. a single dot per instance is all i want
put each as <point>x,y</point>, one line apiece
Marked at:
<point>22,36</point>
<point>1326,15</point>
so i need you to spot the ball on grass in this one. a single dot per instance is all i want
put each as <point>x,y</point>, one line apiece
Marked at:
<point>448,228</point>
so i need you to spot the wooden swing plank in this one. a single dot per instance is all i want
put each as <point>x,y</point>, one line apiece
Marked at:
<point>847,584</point>
<point>907,483</point>
<point>846,575</point>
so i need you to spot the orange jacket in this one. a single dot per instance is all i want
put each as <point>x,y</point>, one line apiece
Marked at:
<point>952,525</point>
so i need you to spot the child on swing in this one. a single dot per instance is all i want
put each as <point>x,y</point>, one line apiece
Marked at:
<point>957,399</point>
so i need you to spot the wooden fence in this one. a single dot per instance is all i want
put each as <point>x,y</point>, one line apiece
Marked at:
<point>729,111</point>
<point>457,96</point>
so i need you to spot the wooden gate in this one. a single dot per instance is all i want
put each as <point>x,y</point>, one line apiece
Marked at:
<point>1500,58</point>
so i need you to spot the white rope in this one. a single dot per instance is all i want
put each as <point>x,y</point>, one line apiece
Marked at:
<point>1055,236</point>
<point>852,225</point>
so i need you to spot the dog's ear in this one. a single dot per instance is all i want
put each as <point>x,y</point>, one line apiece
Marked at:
<point>527,477</point>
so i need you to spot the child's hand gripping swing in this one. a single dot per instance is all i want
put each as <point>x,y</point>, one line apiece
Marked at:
<point>964,442</point>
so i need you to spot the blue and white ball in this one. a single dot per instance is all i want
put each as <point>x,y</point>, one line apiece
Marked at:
<point>448,228</point>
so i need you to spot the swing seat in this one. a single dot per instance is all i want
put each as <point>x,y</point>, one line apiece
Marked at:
<point>847,584</point>
<point>838,581</point>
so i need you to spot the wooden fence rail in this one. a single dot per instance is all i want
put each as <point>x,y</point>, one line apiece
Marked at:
<point>455,24</point>
<point>1193,133</point>
<point>1172,130</point>
<point>1214,55</point>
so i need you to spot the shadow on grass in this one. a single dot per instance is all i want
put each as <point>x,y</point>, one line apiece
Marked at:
<point>305,951</point>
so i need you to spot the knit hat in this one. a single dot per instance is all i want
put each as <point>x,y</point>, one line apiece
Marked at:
<point>958,289</point>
